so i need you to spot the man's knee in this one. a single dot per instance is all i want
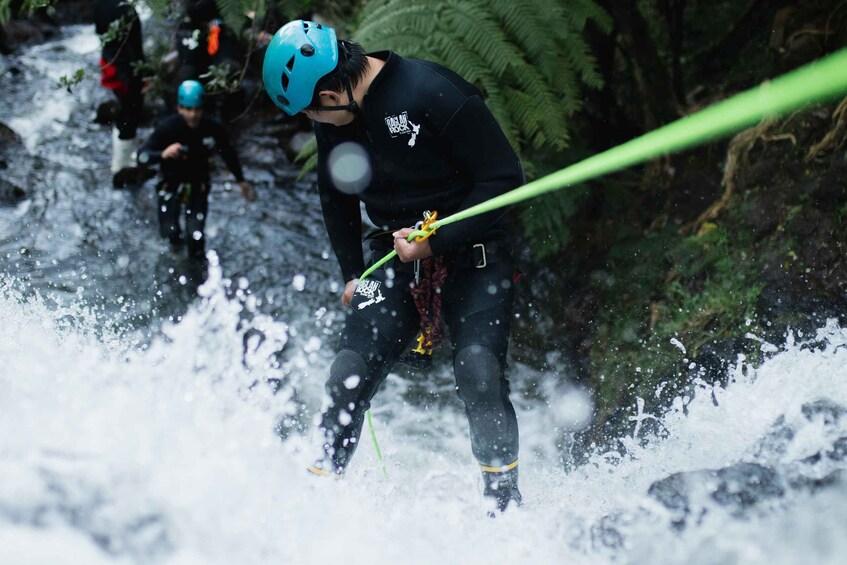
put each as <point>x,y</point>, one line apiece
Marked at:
<point>347,374</point>
<point>479,375</point>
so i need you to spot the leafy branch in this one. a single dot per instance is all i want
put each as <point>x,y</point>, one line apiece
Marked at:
<point>68,83</point>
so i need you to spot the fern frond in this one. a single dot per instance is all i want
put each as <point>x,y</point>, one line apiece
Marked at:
<point>232,12</point>
<point>593,12</point>
<point>309,154</point>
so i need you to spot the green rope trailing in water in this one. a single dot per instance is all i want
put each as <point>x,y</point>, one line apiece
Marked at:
<point>376,444</point>
<point>818,81</point>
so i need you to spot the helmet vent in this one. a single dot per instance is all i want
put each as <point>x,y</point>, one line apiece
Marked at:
<point>284,81</point>
<point>282,100</point>
<point>290,64</point>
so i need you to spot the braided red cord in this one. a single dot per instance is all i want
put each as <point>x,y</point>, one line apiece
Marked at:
<point>427,296</point>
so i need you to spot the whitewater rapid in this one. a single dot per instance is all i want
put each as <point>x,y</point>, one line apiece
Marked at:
<point>167,453</point>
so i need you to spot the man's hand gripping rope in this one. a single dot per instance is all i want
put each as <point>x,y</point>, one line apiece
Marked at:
<point>410,244</point>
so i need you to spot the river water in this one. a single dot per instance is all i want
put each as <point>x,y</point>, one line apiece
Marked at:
<point>145,421</point>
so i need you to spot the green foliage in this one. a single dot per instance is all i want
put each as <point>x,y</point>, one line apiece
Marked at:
<point>163,9</point>
<point>308,156</point>
<point>5,11</point>
<point>154,69</point>
<point>529,58</point>
<point>698,290</point>
<point>32,6</point>
<point>220,79</point>
<point>118,30</point>
<point>233,11</point>
<point>28,7</point>
<point>545,220</point>
<point>68,83</point>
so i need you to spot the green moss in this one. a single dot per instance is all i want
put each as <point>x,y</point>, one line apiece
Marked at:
<point>697,290</point>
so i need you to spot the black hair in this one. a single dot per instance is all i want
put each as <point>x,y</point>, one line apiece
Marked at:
<point>351,68</point>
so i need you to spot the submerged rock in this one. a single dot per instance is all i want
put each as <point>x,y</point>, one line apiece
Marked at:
<point>782,438</point>
<point>736,489</point>
<point>10,193</point>
<point>12,151</point>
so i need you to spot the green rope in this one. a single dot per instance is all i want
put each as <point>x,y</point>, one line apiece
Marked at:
<point>821,80</point>
<point>816,82</point>
<point>376,444</point>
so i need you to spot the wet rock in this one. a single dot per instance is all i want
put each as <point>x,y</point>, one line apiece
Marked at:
<point>835,479</point>
<point>672,493</point>
<point>8,137</point>
<point>606,533</point>
<point>18,33</point>
<point>13,164</point>
<point>839,450</point>
<point>827,410</point>
<point>736,489</point>
<point>763,216</point>
<point>716,356</point>
<point>744,485</point>
<point>611,532</point>
<point>808,446</point>
<point>830,191</point>
<point>10,193</point>
<point>775,443</point>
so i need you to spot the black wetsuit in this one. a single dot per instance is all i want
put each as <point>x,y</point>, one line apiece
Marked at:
<point>186,178</point>
<point>117,59</point>
<point>432,145</point>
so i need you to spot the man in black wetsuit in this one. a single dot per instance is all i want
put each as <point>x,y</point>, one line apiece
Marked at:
<point>184,144</point>
<point>431,145</point>
<point>118,22</point>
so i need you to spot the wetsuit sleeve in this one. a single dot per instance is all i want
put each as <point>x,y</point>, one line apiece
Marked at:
<point>343,220</point>
<point>228,153</point>
<point>151,152</point>
<point>476,142</point>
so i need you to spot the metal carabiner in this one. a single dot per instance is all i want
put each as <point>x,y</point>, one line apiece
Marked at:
<point>426,225</point>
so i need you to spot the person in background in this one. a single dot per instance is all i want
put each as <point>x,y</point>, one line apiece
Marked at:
<point>117,22</point>
<point>430,144</point>
<point>183,145</point>
<point>203,40</point>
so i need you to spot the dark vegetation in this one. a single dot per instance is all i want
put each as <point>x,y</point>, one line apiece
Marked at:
<point>743,236</point>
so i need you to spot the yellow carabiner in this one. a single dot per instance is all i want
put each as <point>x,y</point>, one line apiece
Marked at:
<point>429,219</point>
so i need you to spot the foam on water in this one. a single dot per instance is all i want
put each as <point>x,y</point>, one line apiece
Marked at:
<point>169,455</point>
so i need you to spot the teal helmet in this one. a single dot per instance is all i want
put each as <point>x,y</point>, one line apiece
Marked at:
<point>298,56</point>
<point>190,94</point>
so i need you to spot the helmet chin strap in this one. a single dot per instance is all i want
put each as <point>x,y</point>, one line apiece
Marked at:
<point>351,107</point>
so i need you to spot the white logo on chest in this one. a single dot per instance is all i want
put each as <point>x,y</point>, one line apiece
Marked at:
<point>401,125</point>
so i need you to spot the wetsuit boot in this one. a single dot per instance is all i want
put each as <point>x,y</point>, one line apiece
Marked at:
<point>503,488</point>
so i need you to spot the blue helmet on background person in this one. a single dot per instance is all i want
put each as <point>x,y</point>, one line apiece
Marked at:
<point>190,94</point>
<point>298,56</point>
